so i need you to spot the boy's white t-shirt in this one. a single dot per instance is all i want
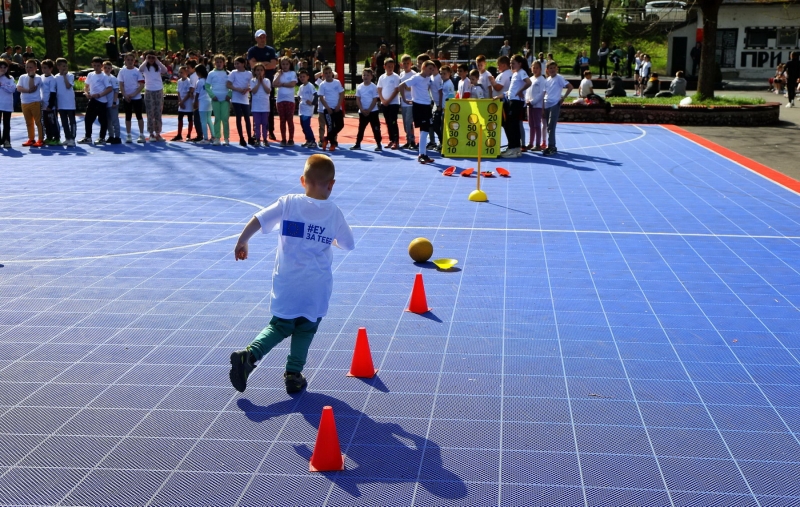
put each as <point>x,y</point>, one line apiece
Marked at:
<point>535,92</point>
<point>486,84</point>
<point>114,95</point>
<point>302,280</point>
<point>406,94</point>
<point>436,87</point>
<point>97,84</point>
<point>260,97</point>
<point>283,93</point>
<point>130,79</point>
<point>203,100</point>
<point>48,86</point>
<point>65,97</point>
<point>552,90</point>
<point>306,93</point>
<point>240,79</point>
<point>331,93</point>
<point>367,93</point>
<point>464,86</point>
<point>7,88</point>
<point>184,85</point>
<point>585,88</point>
<point>504,79</point>
<point>477,91</point>
<point>388,84</point>
<point>36,94</point>
<point>420,89</point>
<point>448,90</point>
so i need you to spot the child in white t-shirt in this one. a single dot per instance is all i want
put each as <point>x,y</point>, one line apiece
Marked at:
<point>302,280</point>
<point>65,100</point>
<point>331,96</point>
<point>239,83</point>
<point>204,106</point>
<point>49,100</point>
<point>284,82</point>
<point>260,89</point>
<point>367,101</point>
<point>112,111</point>
<point>476,91</point>
<point>7,89</point>
<point>185,103</point>
<point>306,93</point>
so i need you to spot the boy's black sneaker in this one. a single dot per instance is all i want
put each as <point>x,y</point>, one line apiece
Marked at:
<point>424,159</point>
<point>378,148</point>
<point>242,364</point>
<point>295,382</point>
<point>355,147</point>
<point>430,146</point>
<point>253,142</point>
<point>242,142</point>
<point>85,140</point>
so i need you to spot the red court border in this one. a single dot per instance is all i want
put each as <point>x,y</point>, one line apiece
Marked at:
<point>747,163</point>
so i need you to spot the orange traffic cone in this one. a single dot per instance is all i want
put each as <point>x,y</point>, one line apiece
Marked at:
<point>327,455</point>
<point>418,303</point>
<point>362,357</point>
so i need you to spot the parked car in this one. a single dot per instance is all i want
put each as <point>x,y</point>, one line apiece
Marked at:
<point>584,15</point>
<point>82,21</point>
<point>107,20</point>
<point>448,15</point>
<point>34,21</point>
<point>404,10</point>
<point>665,11</point>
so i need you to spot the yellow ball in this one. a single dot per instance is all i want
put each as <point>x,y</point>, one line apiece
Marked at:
<point>420,249</point>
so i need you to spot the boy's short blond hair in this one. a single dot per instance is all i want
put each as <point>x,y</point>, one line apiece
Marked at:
<point>319,169</point>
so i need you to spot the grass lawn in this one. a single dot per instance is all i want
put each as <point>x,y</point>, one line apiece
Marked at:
<point>720,100</point>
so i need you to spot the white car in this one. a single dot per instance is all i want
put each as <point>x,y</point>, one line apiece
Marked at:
<point>665,11</point>
<point>584,15</point>
<point>404,10</point>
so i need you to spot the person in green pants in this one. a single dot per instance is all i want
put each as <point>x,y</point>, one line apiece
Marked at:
<point>217,89</point>
<point>302,281</point>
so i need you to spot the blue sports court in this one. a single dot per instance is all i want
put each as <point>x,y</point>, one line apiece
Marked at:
<point>621,329</point>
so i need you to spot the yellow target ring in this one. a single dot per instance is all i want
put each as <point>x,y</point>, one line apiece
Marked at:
<point>491,126</point>
<point>491,142</point>
<point>492,108</point>
<point>454,108</point>
<point>473,119</point>
<point>452,141</point>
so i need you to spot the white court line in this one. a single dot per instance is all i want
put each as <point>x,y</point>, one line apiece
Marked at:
<point>394,227</point>
<point>643,133</point>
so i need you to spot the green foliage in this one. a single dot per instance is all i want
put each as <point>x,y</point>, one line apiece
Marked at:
<point>15,16</point>
<point>416,43</point>
<point>284,22</point>
<point>565,50</point>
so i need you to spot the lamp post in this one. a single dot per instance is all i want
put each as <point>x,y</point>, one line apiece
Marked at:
<point>353,48</point>
<point>164,16</point>
<point>212,10</point>
<point>113,21</point>
<point>233,30</point>
<point>200,24</point>
<point>153,22</point>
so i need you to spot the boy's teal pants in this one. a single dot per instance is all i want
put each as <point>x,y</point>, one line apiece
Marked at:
<point>300,329</point>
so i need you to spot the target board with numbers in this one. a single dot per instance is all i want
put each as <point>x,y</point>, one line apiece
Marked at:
<point>463,118</point>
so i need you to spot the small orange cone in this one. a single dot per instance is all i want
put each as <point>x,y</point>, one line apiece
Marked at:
<point>418,303</point>
<point>327,455</point>
<point>362,357</point>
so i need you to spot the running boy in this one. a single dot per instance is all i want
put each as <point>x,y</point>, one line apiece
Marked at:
<point>302,281</point>
<point>420,86</point>
<point>331,96</point>
<point>367,101</point>
<point>65,101</point>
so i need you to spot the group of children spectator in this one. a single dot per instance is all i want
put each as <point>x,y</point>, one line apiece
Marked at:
<point>787,78</point>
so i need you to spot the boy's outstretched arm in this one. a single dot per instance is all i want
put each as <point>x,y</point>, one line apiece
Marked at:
<point>252,227</point>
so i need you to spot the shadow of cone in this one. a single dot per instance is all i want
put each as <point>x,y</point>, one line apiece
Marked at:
<point>327,455</point>
<point>418,303</point>
<point>362,366</point>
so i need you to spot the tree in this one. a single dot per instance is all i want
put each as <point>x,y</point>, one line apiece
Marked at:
<point>510,23</point>
<point>708,60</point>
<point>52,32</point>
<point>599,10</point>
<point>15,17</point>
<point>69,6</point>
<point>280,22</point>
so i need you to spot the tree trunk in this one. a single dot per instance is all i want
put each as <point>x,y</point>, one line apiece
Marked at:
<point>516,6</point>
<point>52,33</point>
<point>708,53</point>
<point>15,22</point>
<point>504,10</point>
<point>599,15</point>
<point>268,20</point>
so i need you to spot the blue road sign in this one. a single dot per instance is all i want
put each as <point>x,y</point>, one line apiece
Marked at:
<point>550,23</point>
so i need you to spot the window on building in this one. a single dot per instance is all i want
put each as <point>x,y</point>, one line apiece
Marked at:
<point>787,37</point>
<point>758,37</point>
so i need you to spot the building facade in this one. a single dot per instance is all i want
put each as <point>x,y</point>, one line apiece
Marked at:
<point>753,37</point>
